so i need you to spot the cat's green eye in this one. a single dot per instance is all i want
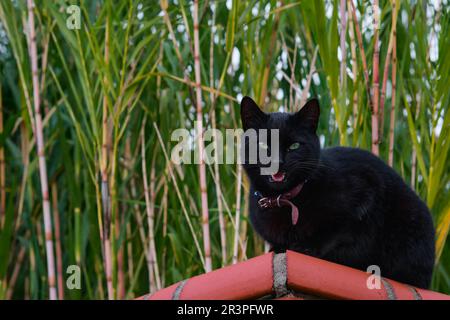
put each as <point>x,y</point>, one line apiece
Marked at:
<point>263,145</point>
<point>294,146</point>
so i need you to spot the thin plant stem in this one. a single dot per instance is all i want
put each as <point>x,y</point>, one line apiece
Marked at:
<point>386,68</point>
<point>41,155</point>
<point>106,199</point>
<point>149,201</point>
<point>182,203</point>
<point>59,263</point>
<point>293,101</point>
<point>26,165</point>
<point>312,69</point>
<point>238,213</point>
<point>137,213</point>
<point>200,145</point>
<point>354,65</point>
<point>130,265</point>
<point>392,116</point>
<point>414,150</point>
<point>223,234</point>
<point>363,55</point>
<point>230,216</point>
<point>164,6</point>
<point>120,262</point>
<point>342,41</point>
<point>376,80</point>
<point>15,274</point>
<point>140,224</point>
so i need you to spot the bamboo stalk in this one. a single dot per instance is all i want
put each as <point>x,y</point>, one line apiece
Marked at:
<point>354,65</point>
<point>44,62</point>
<point>293,101</point>
<point>392,116</point>
<point>386,67</point>
<point>149,201</point>
<point>163,210</point>
<point>108,267</point>
<point>130,265</point>
<point>151,256</point>
<point>152,194</point>
<point>376,80</point>
<point>105,194</point>
<point>202,169</point>
<point>363,56</point>
<point>101,293</point>
<point>342,41</point>
<point>128,231</point>
<point>32,260</point>
<point>26,165</point>
<point>414,150</point>
<point>238,214</point>
<point>223,234</point>
<point>59,264</point>
<point>41,155</point>
<point>128,166</point>
<point>116,215</point>
<point>383,95</point>
<point>120,262</point>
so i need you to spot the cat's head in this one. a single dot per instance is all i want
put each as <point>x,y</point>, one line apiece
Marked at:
<point>298,151</point>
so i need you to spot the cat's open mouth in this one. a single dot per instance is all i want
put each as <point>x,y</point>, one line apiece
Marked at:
<point>277,177</point>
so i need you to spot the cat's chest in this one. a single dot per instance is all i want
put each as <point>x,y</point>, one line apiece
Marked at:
<point>275,224</point>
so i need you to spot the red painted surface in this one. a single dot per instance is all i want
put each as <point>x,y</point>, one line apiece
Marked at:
<point>253,279</point>
<point>333,281</point>
<point>250,279</point>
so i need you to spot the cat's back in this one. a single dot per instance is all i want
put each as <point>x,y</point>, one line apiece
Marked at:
<point>347,157</point>
<point>405,234</point>
<point>362,170</point>
<point>403,210</point>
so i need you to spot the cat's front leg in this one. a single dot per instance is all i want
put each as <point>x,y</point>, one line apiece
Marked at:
<point>338,241</point>
<point>277,248</point>
<point>331,246</point>
<point>301,248</point>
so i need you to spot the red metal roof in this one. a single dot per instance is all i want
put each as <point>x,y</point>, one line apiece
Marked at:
<point>289,275</point>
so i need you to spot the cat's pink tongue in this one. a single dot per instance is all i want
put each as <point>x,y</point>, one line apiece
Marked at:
<point>278,177</point>
<point>294,216</point>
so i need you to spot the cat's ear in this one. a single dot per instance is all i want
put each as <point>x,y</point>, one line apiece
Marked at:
<point>308,116</point>
<point>251,114</point>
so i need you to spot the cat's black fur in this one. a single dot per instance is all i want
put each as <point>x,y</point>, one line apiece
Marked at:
<point>354,209</point>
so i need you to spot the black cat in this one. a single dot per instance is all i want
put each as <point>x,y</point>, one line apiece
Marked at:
<point>353,209</point>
